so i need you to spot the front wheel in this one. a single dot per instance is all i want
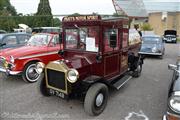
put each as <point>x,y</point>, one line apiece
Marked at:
<point>30,74</point>
<point>96,99</point>
<point>42,88</point>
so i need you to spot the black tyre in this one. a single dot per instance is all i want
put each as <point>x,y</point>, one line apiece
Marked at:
<point>96,99</point>
<point>30,74</point>
<point>138,70</point>
<point>42,87</point>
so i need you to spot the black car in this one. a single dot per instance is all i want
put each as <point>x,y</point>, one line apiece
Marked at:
<point>152,45</point>
<point>173,107</point>
<point>11,40</point>
<point>170,36</point>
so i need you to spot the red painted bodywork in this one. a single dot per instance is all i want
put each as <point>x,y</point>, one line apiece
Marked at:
<point>113,63</point>
<point>26,54</point>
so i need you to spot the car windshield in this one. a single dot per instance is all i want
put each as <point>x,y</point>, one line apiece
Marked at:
<point>85,38</point>
<point>39,40</point>
<point>151,39</point>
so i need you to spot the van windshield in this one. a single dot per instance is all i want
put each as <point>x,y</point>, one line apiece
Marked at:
<point>82,38</point>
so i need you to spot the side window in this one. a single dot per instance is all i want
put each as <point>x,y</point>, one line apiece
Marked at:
<point>108,35</point>
<point>10,40</point>
<point>22,39</point>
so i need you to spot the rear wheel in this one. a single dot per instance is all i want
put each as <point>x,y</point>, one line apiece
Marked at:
<point>30,74</point>
<point>138,70</point>
<point>96,99</point>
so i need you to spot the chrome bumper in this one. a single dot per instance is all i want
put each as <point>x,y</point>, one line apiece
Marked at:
<point>8,72</point>
<point>146,53</point>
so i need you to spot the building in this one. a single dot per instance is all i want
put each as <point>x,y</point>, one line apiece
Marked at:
<point>161,21</point>
<point>163,15</point>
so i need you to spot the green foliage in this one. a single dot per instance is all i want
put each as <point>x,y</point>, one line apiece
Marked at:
<point>146,27</point>
<point>5,6</point>
<point>7,10</point>
<point>43,17</point>
<point>75,14</point>
<point>115,15</point>
<point>56,22</point>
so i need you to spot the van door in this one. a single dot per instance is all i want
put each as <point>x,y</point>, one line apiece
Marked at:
<point>111,52</point>
<point>124,51</point>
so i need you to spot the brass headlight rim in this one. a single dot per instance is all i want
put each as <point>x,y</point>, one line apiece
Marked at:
<point>77,75</point>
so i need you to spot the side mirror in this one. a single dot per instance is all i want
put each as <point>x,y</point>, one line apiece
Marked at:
<point>61,52</point>
<point>173,67</point>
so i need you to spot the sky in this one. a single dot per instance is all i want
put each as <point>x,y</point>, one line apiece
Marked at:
<point>65,7</point>
<point>60,7</point>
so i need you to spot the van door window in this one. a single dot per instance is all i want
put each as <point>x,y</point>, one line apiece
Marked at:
<point>108,35</point>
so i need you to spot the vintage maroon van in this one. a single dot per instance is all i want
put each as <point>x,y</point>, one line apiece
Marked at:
<point>96,57</point>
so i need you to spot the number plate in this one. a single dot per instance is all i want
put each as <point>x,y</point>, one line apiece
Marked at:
<point>57,93</point>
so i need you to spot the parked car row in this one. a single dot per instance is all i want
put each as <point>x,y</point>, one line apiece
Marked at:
<point>77,62</point>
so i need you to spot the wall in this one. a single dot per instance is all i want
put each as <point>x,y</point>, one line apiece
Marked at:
<point>159,24</point>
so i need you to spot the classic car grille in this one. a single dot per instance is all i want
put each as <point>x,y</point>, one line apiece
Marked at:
<point>56,79</point>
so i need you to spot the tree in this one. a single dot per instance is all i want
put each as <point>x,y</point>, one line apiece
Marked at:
<point>56,22</point>
<point>7,22</point>
<point>5,5</point>
<point>43,17</point>
<point>146,27</point>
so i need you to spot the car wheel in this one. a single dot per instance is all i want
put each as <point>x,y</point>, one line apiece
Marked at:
<point>138,70</point>
<point>42,87</point>
<point>30,74</point>
<point>96,99</point>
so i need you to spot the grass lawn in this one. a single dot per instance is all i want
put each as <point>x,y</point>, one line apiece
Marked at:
<point>178,39</point>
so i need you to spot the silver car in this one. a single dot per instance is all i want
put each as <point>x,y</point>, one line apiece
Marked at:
<point>152,45</point>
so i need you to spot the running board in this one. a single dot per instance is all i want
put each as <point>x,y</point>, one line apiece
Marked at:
<point>122,81</point>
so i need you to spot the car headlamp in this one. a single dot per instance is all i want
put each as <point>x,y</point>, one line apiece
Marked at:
<point>154,49</point>
<point>174,103</point>
<point>12,59</point>
<point>40,67</point>
<point>72,75</point>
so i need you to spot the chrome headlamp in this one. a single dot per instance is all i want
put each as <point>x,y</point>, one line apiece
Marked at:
<point>40,67</point>
<point>174,102</point>
<point>72,75</point>
<point>154,49</point>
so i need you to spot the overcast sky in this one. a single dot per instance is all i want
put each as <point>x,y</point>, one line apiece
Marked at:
<point>60,7</point>
<point>66,6</point>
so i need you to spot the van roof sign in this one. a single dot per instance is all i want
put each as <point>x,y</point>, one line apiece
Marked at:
<point>81,18</point>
